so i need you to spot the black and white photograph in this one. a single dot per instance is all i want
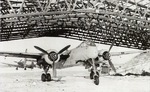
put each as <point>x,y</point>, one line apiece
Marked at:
<point>75,46</point>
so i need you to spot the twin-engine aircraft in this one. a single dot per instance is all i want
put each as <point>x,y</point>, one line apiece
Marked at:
<point>26,63</point>
<point>23,64</point>
<point>86,53</point>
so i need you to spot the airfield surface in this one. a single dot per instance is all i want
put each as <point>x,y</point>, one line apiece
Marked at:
<point>74,79</point>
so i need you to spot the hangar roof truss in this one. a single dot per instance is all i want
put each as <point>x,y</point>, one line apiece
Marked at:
<point>125,21</point>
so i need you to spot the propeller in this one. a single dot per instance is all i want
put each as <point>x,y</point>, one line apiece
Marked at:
<point>63,49</point>
<point>20,60</point>
<point>111,45</point>
<point>40,49</point>
<point>45,52</point>
<point>110,63</point>
<point>54,65</point>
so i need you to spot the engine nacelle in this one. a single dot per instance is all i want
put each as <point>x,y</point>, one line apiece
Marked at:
<point>105,54</point>
<point>53,56</point>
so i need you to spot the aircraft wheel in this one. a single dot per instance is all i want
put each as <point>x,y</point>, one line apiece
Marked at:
<point>49,77</point>
<point>91,75</point>
<point>16,68</point>
<point>25,68</point>
<point>43,77</point>
<point>96,80</point>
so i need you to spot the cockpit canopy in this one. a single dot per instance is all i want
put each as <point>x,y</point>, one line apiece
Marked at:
<point>87,43</point>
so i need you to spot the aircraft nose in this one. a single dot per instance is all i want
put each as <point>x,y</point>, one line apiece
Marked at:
<point>92,52</point>
<point>92,44</point>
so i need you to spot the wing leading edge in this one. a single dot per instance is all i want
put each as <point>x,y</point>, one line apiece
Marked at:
<point>21,54</point>
<point>128,52</point>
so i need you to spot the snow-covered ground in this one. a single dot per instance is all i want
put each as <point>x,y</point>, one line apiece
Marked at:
<point>136,65</point>
<point>74,79</point>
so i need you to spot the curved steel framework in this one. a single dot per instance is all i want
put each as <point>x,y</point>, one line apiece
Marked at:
<point>125,21</point>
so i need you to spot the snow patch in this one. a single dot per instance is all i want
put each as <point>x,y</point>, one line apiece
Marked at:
<point>137,65</point>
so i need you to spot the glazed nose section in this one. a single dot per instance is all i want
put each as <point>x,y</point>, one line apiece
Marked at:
<point>90,43</point>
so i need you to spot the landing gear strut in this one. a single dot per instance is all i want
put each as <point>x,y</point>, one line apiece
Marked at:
<point>91,74</point>
<point>94,73</point>
<point>25,68</point>
<point>46,76</point>
<point>96,80</point>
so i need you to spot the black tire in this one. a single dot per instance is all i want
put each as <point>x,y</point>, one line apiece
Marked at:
<point>16,68</point>
<point>43,77</point>
<point>96,80</point>
<point>49,77</point>
<point>91,75</point>
<point>25,68</point>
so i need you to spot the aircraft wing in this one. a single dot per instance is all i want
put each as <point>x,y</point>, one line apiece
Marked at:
<point>10,65</point>
<point>66,66</point>
<point>21,54</point>
<point>128,52</point>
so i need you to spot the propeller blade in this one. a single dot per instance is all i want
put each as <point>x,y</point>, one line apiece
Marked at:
<point>54,70</point>
<point>111,45</point>
<point>63,49</point>
<point>40,49</point>
<point>112,66</point>
<point>20,60</point>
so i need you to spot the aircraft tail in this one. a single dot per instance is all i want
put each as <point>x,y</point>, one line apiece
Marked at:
<point>16,61</point>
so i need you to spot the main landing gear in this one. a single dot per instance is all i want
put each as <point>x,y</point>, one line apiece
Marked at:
<point>46,76</point>
<point>94,76</point>
<point>16,68</point>
<point>25,68</point>
<point>94,73</point>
